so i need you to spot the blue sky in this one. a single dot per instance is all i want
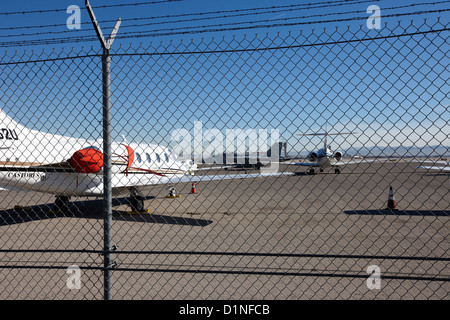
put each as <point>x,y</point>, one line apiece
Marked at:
<point>391,91</point>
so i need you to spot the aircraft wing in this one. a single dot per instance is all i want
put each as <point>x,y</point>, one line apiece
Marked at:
<point>359,161</point>
<point>151,180</point>
<point>446,164</point>
<point>214,168</point>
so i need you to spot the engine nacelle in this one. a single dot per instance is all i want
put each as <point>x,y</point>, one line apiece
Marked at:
<point>87,160</point>
<point>122,158</point>
<point>312,157</point>
<point>338,156</point>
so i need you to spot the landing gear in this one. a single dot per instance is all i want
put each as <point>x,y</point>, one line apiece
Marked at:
<point>136,201</point>
<point>311,171</point>
<point>62,204</point>
<point>337,170</point>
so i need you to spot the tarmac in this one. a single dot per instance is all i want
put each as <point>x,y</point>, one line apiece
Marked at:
<point>293,237</point>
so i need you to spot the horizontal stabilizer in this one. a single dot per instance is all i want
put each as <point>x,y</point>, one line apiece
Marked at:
<point>325,133</point>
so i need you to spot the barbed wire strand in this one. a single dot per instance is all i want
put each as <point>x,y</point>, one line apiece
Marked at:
<point>233,50</point>
<point>141,34</point>
<point>299,6</point>
<point>216,25</point>
<point>96,7</point>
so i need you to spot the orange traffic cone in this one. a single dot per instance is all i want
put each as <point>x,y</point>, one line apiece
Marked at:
<point>391,201</point>
<point>193,190</point>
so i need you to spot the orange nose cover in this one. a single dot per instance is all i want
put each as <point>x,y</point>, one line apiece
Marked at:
<point>87,160</point>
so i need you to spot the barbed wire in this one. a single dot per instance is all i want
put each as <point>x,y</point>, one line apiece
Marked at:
<point>289,46</point>
<point>287,10</point>
<point>253,11</point>
<point>141,34</point>
<point>233,50</point>
<point>174,30</point>
<point>96,7</point>
<point>209,18</point>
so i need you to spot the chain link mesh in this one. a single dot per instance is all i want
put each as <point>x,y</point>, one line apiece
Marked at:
<point>294,235</point>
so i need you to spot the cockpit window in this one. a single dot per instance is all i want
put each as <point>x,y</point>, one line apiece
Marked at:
<point>158,158</point>
<point>149,159</point>
<point>138,157</point>
<point>172,155</point>
<point>166,156</point>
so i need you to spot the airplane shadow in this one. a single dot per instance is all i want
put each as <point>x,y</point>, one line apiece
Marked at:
<point>302,173</point>
<point>92,209</point>
<point>383,212</point>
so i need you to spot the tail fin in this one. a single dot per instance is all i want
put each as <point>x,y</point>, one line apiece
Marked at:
<point>325,134</point>
<point>10,130</point>
<point>277,148</point>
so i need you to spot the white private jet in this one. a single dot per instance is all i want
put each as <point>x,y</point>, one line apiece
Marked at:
<point>324,157</point>
<point>65,166</point>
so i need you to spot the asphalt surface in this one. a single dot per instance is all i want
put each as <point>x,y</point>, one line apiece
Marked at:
<point>281,238</point>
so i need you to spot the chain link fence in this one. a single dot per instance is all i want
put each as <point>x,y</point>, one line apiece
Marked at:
<point>217,191</point>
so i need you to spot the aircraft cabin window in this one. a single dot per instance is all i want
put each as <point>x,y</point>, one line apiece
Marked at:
<point>166,156</point>
<point>158,158</point>
<point>149,159</point>
<point>138,157</point>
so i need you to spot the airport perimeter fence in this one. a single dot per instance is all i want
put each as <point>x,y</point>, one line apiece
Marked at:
<point>376,228</point>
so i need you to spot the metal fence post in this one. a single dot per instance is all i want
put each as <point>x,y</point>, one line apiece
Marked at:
<point>107,196</point>
<point>108,263</point>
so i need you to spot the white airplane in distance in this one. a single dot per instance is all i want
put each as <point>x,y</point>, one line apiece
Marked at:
<point>445,168</point>
<point>324,157</point>
<point>66,166</point>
